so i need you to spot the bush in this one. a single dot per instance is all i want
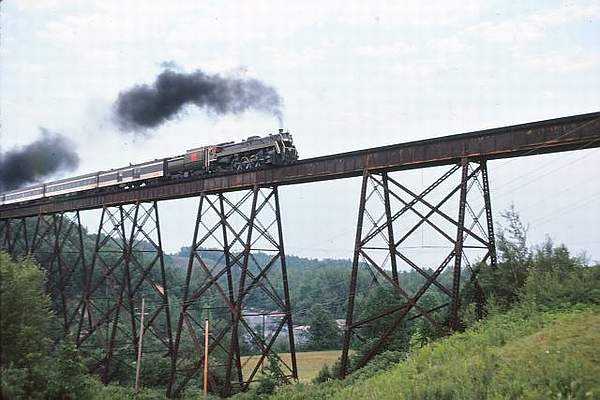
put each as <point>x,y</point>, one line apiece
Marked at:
<point>24,320</point>
<point>13,383</point>
<point>68,377</point>
<point>551,289</point>
<point>323,375</point>
<point>379,363</point>
<point>24,313</point>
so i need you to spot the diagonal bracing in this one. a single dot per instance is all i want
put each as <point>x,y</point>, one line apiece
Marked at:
<point>455,209</point>
<point>237,254</point>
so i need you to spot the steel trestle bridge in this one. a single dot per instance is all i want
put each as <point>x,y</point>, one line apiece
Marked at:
<point>242,213</point>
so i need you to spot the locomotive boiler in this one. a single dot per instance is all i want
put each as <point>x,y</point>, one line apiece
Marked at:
<point>253,153</point>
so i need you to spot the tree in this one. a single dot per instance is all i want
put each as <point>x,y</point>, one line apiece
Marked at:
<point>557,279</point>
<point>323,333</point>
<point>545,276</point>
<point>24,312</point>
<point>378,300</point>
<point>24,320</point>
<point>502,284</point>
<point>67,378</point>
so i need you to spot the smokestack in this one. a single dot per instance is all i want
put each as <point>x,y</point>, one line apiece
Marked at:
<point>49,155</point>
<point>148,106</point>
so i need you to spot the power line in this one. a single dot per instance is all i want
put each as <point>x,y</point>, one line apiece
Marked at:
<point>505,192</point>
<point>569,206</point>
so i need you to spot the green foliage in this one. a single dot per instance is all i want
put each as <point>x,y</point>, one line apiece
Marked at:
<point>557,279</point>
<point>29,369</point>
<point>517,355</point>
<point>24,313</point>
<point>324,375</point>
<point>503,283</point>
<point>98,391</point>
<point>24,320</point>
<point>546,276</point>
<point>381,362</point>
<point>13,381</point>
<point>271,377</point>
<point>522,354</point>
<point>268,382</point>
<point>379,300</point>
<point>494,359</point>
<point>323,333</point>
<point>67,378</point>
<point>155,370</point>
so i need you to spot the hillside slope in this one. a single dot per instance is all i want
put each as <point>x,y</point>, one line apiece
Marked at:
<point>519,355</point>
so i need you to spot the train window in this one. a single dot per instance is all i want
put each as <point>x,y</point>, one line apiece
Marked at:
<point>152,168</point>
<point>108,178</point>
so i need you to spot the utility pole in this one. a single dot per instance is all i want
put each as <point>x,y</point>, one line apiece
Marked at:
<point>139,354</point>
<point>262,364</point>
<point>205,356</point>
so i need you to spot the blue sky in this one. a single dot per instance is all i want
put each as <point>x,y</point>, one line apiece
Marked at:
<point>352,75</point>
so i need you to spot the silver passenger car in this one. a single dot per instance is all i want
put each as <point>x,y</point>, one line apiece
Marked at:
<point>120,176</point>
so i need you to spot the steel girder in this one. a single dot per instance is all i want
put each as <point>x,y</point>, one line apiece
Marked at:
<point>390,216</point>
<point>237,253</point>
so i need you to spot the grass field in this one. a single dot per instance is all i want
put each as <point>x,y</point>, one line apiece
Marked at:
<point>309,363</point>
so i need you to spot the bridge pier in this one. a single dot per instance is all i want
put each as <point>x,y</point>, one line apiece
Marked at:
<point>127,264</point>
<point>57,244</point>
<point>390,215</point>
<point>237,252</point>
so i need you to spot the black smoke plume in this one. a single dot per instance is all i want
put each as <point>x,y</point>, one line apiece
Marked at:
<point>50,154</point>
<point>148,106</point>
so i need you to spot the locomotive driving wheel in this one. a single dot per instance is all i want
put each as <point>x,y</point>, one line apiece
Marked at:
<point>246,163</point>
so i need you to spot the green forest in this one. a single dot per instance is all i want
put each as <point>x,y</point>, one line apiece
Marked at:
<point>540,301</point>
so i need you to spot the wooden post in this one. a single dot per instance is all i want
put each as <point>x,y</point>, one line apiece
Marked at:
<point>139,354</point>
<point>206,356</point>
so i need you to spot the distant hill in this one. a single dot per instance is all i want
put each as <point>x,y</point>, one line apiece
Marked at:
<point>311,281</point>
<point>293,262</point>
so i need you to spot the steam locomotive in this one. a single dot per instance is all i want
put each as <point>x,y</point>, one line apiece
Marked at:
<point>225,158</point>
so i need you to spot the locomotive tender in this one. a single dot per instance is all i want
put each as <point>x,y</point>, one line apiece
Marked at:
<point>253,153</point>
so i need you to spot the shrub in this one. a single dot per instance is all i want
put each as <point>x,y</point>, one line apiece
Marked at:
<point>67,378</point>
<point>12,383</point>
<point>323,375</point>
<point>548,289</point>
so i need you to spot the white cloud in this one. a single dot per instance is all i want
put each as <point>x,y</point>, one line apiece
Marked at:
<point>386,49</point>
<point>564,61</point>
<point>41,6</point>
<point>450,44</point>
<point>521,30</point>
<point>413,12</point>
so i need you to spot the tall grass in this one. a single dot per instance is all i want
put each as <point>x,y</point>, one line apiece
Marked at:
<point>522,354</point>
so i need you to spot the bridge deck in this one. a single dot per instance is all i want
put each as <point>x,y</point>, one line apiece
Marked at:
<point>550,136</point>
